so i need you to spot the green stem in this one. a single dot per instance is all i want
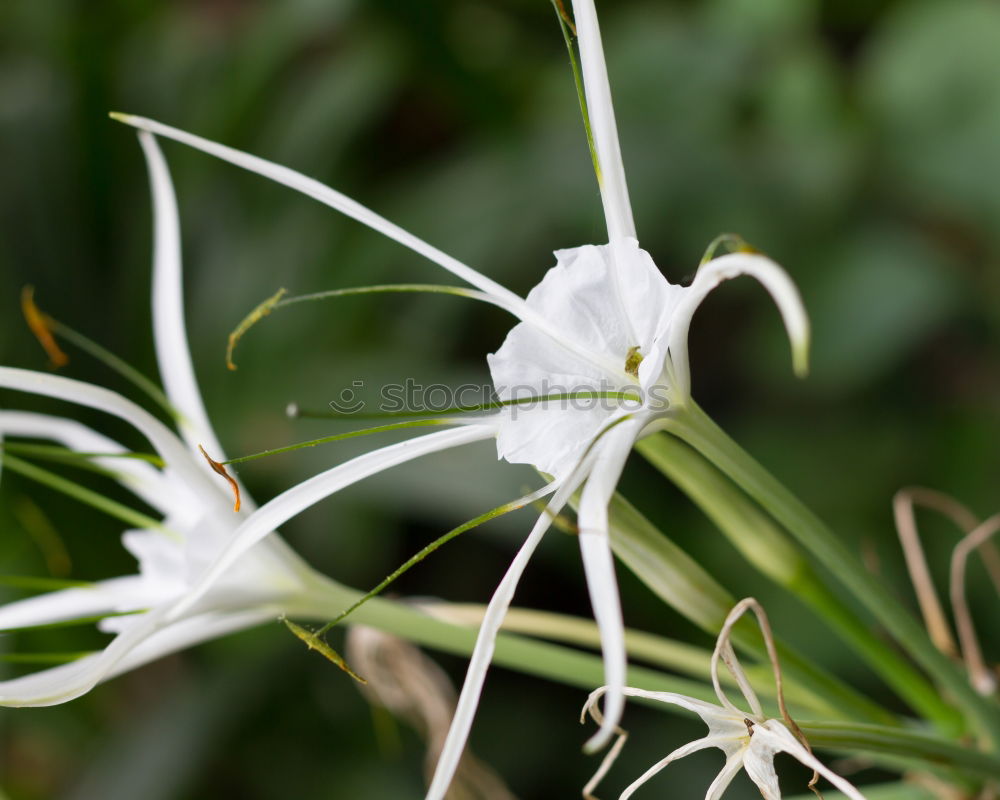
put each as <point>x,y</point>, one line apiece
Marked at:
<point>692,425</point>
<point>655,650</point>
<point>769,549</point>
<point>586,671</point>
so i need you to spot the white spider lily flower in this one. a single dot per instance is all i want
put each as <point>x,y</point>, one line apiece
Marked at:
<point>175,600</point>
<point>603,321</point>
<point>749,739</point>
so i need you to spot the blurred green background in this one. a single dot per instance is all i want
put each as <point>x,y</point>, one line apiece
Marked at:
<point>858,143</point>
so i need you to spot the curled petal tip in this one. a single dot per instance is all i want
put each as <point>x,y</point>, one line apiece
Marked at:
<point>599,740</point>
<point>800,355</point>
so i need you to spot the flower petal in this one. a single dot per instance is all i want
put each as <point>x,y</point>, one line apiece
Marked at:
<point>145,639</point>
<point>614,191</point>
<point>479,662</point>
<point>680,752</point>
<point>169,335</point>
<point>141,478</point>
<point>773,278</point>
<point>68,681</point>
<point>86,394</point>
<point>599,567</point>
<point>771,737</point>
<point>105,597</point>
<point>734,762</point>
<point>327,196</point>
<point>300,497</point>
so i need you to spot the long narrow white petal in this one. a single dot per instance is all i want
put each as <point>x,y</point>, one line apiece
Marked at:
<point>67,681</point>
<point>775,737</point>
<point>786,296</point>
<point>300,497</point>
<point>614,191</point>
<point>169,334</point>
<point>86,394</point>
<point>327,196</point>
<point>734,762</point>
<point>479,662</point>
<point>141,478</point>
<point>599,567</point>
<point>680,752</point>
<point>145,640</point>
<point>191,631</point>
<point>117,594</point>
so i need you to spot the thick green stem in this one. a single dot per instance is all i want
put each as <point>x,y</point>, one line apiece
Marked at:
<point>585,670</point>
<point>768,548</point>
<point>544,660</point>
<point>697,429</point>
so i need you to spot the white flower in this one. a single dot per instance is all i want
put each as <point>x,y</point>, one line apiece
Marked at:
<point>603,320</point>
<point>749,739</point>
<point>180,602</point>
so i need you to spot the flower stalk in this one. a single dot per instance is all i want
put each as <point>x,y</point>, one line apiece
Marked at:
<point>697,429</point>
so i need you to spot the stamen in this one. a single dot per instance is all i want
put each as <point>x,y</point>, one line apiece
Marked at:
<point>733,242</point>
<point>294,411</point>
<point>314,642</point>
<point>569,34</point>
<point>45,328</point>
<point>417,423</point>
<point>41,325</point>
<point>220,469</point>
<point>632,361</point>
<point>112,507</point>
<point>514,505</point>
<point>749,723</point>
<point>251,319</point>
<point>278,300</point>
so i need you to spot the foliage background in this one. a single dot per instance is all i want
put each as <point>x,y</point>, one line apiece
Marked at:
<point>855,142</point>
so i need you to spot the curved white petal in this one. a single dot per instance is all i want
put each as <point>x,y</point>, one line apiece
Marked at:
<point>786,296</point>
<point>300,497</point>
<point>771,737</point>
<point>734,762</point>
<point>68,681</point>
<point>680,752</point>
<point>141,478</point>
<point>190,631</point>
<point>117,594</point>
<point>169,335</point>
<point>614,191</point>
<point>479,662</point>
<point>327,196</point>
<point>145,640</point>
<point>85,394</point>
<point>598,563</point>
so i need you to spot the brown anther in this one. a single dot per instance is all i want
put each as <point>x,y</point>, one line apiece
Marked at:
<point>220,468</point>
<point>565,16</point>
<point>41,326</point>
<point>749,723</point>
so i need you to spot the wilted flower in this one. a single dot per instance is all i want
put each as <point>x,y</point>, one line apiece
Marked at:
<point>749,739</point>
<point>603,322</point>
